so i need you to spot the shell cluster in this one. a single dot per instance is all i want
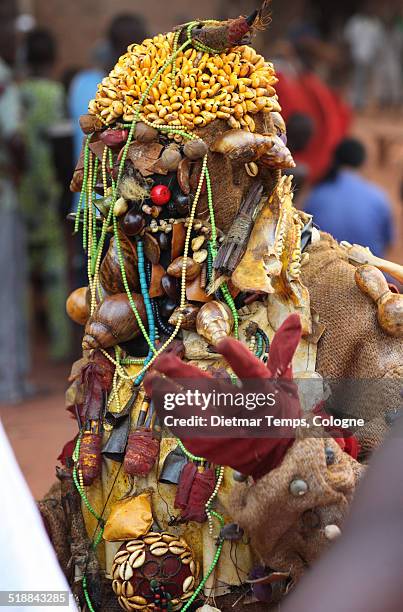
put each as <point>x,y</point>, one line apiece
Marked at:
<point>232,86</point>
<point>133,561</point>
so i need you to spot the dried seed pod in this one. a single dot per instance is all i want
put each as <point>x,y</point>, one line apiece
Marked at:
<point>133,223</point>
<point>170,159</point>
<point>77,306</point>
<point>144,133</point>
<point>110,274</point>
<point>183,175</point>
<point>181,204</point>
<point>90,457</point>
<point>372,282</point>
<point>114,322</point>
<point>156,288</point>
<point>198,242</point>
<point>178,240</point>
<point>214,321</point>
<point>90,124</point>
<point>170,286</point>
<point>120,207</point>
<point>163,241</point>
<point>167,307</point>
<point>200,256</point>
<point>195,149</point>
<point>189,312</point>
<point>192,268</point>
<point>151,248</point>
<point>242,146</point>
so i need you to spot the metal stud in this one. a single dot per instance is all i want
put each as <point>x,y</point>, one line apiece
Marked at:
<point>238,477</point>
<point>332,532</point>
<point>298,487</point>
<point>330,456</point>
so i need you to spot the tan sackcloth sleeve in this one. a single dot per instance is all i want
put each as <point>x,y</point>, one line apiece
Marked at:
<point>353,345</point>
<point>275,520</point>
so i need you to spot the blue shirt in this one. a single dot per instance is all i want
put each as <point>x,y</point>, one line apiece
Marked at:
<point>352,209</point>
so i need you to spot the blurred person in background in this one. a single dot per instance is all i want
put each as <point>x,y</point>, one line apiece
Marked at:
<point>43,106</point>
<point>309,106</point>
<point>123,30</point>
<point>388,66</point>
<point>365,34</point>
<point>14,353</point>
<point>349,207</point>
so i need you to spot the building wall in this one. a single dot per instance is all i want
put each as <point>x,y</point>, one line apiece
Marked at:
<point>78,24</point>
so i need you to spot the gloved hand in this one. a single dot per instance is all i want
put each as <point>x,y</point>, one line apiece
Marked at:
<point>250,456</point>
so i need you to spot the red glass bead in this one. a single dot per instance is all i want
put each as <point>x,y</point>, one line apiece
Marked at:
<point>160,195</point>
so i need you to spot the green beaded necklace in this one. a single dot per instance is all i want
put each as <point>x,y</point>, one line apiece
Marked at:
<point>95,257</point>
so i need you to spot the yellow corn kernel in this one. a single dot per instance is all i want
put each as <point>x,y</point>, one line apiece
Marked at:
<point>238,111</point>
<point>250,94</point>
<point>150,108</point>
<point>251,107</point>
<point>233,123</point>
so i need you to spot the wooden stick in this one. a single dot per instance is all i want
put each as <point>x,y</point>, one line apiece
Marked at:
<point>236,241</point>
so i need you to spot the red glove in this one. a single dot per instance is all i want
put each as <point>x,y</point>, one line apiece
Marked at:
<point>250,456</point>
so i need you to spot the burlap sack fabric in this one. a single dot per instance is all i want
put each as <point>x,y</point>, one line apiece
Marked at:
<point>229,181</point>
<point>287,531</point>
<point>353,345</point>
<point>56,525</point>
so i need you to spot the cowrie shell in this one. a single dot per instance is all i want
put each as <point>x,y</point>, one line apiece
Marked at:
<point>188,584</point>
<point>140,560</point>
<point>125,571</point>
<point>117,587</point>
<point>127,589</point>
<point>138,600</point>
<point>159,549</point>
<point>176,550</point>
<point>121,557</point>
